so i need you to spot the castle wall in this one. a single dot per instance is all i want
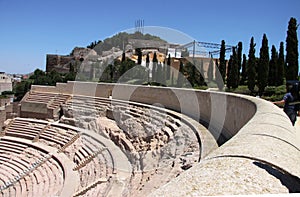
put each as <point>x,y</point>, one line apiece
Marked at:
<point>58,63</point>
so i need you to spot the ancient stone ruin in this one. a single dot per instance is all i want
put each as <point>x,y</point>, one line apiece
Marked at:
<point>69,142</point>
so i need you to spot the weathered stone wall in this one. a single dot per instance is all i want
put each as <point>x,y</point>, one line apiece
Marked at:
<point>58,63</point>
<point>4,101</point>
<point>34,110</point>
<point>62,63</point>
<point>2,117</point>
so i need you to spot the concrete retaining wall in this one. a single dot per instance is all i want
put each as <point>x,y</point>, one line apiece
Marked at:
<point>261,150</point>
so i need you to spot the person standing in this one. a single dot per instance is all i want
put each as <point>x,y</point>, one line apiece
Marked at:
<point>290,108</point>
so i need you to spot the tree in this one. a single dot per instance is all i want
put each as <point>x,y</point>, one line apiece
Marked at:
<point>292,51</point>
<point>273,74</point>
<point>263,66</point>
<point>123,57</point>
<point>235,70</point>
<point>233,76</point>
<point>168,67</point>
<point>21,88</point>
<point>154,65</point>
<point>147,66</point>
<point>222,66</point>
<point>251,72</point>
<point>180,78</point>
<point>192,73</point>
<point>110,67</point>
<point>139,54</point>
<point>280,66</point>
<point>228,78</point>
<point>54,77</point>
<point>93,44</point>
<point>147,60</point>
<point>239,58</point>
<point>244,70</point>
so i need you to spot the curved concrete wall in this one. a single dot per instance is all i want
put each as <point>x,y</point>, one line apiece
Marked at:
<point>262,149</point>
<point>263,157</point>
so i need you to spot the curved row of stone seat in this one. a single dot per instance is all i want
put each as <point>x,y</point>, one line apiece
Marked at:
<point>39,130</point>
<point>261,145</point>
<point>29,172</point>
<point>51,99</point>
<point>93,162</point>
<point>167,120</point>
<point>96,104</point>
<point>170,122</point>
<point>88,148</point>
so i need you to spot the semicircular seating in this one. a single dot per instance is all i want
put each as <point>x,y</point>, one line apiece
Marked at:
<point>154,157</point>
<point>112,147</point>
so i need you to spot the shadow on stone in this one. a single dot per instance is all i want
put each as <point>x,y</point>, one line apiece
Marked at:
<point>288,180</point>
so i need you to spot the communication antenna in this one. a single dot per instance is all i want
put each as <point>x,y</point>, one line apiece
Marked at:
<point>139,26</point>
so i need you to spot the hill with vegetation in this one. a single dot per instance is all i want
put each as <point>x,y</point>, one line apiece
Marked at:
<point>119,40</point>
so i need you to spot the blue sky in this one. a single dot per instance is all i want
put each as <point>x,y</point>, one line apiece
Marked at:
<point>33,28</point>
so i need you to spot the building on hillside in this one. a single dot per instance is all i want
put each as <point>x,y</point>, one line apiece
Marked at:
<point>65,63</point>
<point>6,105</point>
<point>5,82</point>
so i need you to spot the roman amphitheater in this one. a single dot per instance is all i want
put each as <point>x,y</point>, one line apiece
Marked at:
<point>97,139</point>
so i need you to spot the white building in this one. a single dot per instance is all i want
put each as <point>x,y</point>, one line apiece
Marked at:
<point>5,82</point>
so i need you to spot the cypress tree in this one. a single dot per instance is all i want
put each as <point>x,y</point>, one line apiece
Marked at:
<point>199,79</point>
<point>292,51</point>
<point>139,53</point>
<point>154,58</point>
<point>244,70</point>
<point>168,67</point>
<point>234,70</point>
<point>263,66</point>
<point>180,78</point>
<point>280,66</point>
<point>147,67</point>
<point>154,65</point>
<point>147,60</point>
<point>251,72</point>
<point>229,79</point>
<point>189,69</point>
<point>273,76</point>
<point>222,66</point>
<point>123,57</point>
<point>239,58</point>
<point>193,74</point>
